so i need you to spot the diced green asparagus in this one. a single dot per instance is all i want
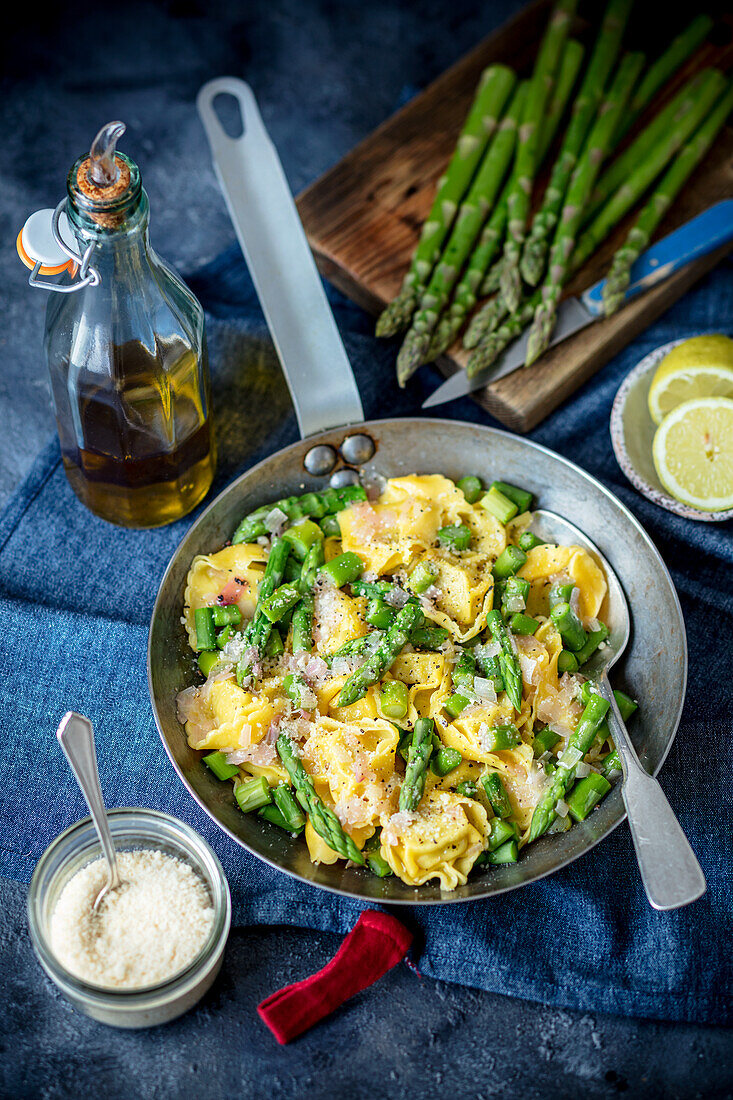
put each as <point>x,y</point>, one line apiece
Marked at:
<point>586,794</point>
<point>421,747</point>
<point>217,763</point>
<point>471,487</point>
<point>497,796</point>
<point>204,623</point>
<point>252,794</point>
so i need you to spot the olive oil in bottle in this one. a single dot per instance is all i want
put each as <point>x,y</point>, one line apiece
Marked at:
<point>127,356</point>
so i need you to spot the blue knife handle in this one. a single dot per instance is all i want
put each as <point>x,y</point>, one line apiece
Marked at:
<point>703,234</point>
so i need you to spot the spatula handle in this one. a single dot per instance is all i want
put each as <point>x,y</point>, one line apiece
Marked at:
<point>669,868</point>
<point>280,262</point>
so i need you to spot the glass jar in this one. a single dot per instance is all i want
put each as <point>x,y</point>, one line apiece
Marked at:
<point>127,358</point>
<point>132,830</point>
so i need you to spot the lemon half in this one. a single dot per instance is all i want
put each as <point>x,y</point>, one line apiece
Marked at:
<point>693,453</point>
<point>699,367</point>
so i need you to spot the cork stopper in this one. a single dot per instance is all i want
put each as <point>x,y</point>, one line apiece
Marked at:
<point>103,179</point>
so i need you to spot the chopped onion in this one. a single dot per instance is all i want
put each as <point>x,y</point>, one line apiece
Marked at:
<point>575,598</point>
<point>582,770</point>
<point>515,603</point>
<point>592,624</point>
<point>316,670</point>
<point>528,668</point>
<point>487,651</point>
<point>484,689</point>
<point>561,808</point>
<point>275,520</point>
<point>571,757</point>
<point>396,597</point>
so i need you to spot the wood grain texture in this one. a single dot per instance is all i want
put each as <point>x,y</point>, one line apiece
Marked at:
<point>363,217</point>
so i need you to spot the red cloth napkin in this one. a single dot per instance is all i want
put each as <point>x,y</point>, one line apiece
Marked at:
<point>375,944</point>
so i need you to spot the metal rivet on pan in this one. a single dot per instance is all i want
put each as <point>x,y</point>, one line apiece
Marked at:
<point>342,477</point>
<point>357,449</point>
<point>320,460</point>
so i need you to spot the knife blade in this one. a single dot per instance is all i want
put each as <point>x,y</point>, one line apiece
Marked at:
<point>697,237</point>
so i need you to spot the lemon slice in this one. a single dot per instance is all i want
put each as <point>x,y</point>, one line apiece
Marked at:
<point>693,453</point>
<point>699,367</point>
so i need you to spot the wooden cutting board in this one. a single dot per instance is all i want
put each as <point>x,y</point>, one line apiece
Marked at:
<point>363,217</point>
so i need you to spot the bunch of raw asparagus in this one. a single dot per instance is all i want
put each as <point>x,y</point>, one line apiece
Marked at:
<point>478,239</point>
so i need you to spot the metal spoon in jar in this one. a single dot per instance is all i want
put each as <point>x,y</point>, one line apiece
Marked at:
<point>669,869</point>
<point>76,737</point>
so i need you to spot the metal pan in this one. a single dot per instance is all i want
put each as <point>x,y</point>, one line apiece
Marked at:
<point>654,667</point>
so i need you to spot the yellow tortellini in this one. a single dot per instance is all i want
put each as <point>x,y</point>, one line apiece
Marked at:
<point>353,755</point>
<point>547,564</point>
<point>210,574</point>
<point>337,619</point>
<point>241,718</point>
<point>441,840</point>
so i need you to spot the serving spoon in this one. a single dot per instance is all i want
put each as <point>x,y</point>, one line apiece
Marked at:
<point>669,869</point>
<point>76,737</point>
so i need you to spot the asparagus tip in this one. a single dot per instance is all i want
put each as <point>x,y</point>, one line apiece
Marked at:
<point>412,354</point>
<point>510,287</point>
<point>396,316</point>
<point>539,334</point>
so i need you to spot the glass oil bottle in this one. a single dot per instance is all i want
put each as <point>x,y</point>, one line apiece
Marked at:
<point>126,352</point>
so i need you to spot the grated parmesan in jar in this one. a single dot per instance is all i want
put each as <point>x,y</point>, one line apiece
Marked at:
<point>145,932</point>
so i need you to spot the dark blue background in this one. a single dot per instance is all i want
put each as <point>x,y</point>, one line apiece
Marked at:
<point>324,75</point>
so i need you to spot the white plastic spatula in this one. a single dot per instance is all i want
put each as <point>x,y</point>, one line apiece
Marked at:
<point>280,262</point>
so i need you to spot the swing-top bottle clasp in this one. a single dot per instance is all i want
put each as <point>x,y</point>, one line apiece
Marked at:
<point>44,246</point>
<point>45,243</point>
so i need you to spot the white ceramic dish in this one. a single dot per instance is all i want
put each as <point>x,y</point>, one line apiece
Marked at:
<point>632,435</point>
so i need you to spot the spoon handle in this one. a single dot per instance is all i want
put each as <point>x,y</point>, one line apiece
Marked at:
<point>669,868</point>
<point>76,737</point>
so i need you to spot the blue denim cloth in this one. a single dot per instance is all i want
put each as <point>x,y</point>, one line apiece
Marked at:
<point>76,600</point>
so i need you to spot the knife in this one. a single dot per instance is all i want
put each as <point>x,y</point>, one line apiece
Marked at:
<point>703,234</point>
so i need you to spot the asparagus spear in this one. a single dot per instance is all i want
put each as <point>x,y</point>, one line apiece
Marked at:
<point>464,298</point>
<point>421,746</point>
<point>681,118</point>
<point>486,321</point>
<point>579,743</point>
<point>584,110</point>
<point>570,64</point>
<point>648,168</point>
<point>493,343</point>
<point>579,189</point>
<point>320,504</point>
<point>493,90</point>
<point>678,51</point>
<point>492,282</point>
<point>508,660</point>
<point>393,641</point>
<point>321,817</point>
<point>667,189</point>
<point>303,614</point>
<point>258,631</point>
<point>474,277</point>
<point>471,216</point>
<point>658,129</point>
<point>519,199</point>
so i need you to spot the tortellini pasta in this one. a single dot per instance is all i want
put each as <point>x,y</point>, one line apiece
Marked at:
<point>354,755</point>
<point>441,840</point>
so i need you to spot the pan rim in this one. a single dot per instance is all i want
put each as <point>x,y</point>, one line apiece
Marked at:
<point>441,422</point>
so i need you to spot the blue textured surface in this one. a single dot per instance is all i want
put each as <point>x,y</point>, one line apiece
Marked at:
<point>86,607</point>
<point>325,75</point>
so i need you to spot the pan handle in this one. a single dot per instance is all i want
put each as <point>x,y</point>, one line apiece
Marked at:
<point>280,262</point>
